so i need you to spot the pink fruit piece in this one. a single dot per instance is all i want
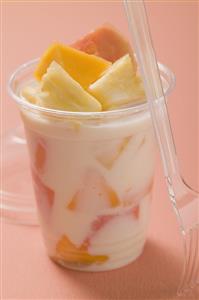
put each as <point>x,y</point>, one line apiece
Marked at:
<point>105,42</point>
<point>100,222</point>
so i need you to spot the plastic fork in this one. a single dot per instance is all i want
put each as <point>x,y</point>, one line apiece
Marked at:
<point>185,200</point>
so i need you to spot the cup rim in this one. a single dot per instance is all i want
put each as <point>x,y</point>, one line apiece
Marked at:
<point>134,108</point>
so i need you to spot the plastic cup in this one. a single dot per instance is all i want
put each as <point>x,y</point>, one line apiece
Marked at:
<point>93,177</point>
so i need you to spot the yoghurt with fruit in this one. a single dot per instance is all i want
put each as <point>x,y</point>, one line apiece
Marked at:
<point>92,153</point>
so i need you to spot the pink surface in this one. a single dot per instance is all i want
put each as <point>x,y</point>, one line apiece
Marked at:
<point>28,28</point>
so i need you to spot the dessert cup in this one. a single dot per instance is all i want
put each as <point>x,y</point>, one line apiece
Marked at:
<point>92,176</point>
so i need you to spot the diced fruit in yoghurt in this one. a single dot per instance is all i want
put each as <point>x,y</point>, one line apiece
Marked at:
<point>119,85</point>
<point>101,221</point>
<point>95,195</point>
<point>105,42</point>
<point>40,156</point>
<point>111,151</point>
<point>69,253</point>
<point>61,91</point>
<point>82,67</point>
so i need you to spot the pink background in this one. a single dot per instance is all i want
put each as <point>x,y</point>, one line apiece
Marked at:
<point>28,28</point>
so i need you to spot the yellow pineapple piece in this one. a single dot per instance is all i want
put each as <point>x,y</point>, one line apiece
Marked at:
<point>82,67</point>
<point>31,94</point>
<point>60,91</point>
<point>119,85</point>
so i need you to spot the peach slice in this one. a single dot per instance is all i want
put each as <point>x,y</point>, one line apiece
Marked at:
<point>82,67</point>
<point>68,252</point>
<point>95,195</point>
<point>105,42</point>
<point>111,152</point>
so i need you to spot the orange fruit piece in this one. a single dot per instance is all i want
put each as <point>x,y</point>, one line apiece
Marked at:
<point>67,251</point>
<point>82,67</point>
<point>105,42</point>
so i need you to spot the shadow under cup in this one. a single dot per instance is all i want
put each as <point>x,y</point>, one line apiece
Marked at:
<point>93,176</point>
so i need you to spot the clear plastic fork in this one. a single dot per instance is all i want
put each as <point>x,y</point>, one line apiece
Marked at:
<point>184,199</point>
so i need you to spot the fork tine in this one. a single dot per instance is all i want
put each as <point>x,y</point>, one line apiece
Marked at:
<point>191,268</point>
<point>195,279</point>
<point>196,265</point>
<point>191,278</point>
<point>188,243</point>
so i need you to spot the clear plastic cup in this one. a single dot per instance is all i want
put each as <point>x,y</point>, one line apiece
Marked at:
<point>93,177</point>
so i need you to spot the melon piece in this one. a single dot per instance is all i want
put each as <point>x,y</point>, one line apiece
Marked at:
<point>105,42</point>
<point>69,253</point>
<point>60,91</point>
<point>94,196</point>
<point>82,67</point>
<point>119,85</point>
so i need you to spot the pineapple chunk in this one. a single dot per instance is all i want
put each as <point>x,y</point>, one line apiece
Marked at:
<point>82,67</point>
<point>59,90</point>
<point>31,94</point>
<point>119,85</point>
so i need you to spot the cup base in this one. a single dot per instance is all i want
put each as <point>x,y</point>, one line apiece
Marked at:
<point>99,267</point>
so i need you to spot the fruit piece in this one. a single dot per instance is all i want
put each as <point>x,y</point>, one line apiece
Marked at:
<point>119,85</point>
<point>100,222</point>
<point>105,42</point>
<point>61,91</point>
<point>94,196</point>
<point>82,67</point>
<point>110,152</point>
<point>68,252</point>
<point>40,156</point>
<point>31,94</point>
